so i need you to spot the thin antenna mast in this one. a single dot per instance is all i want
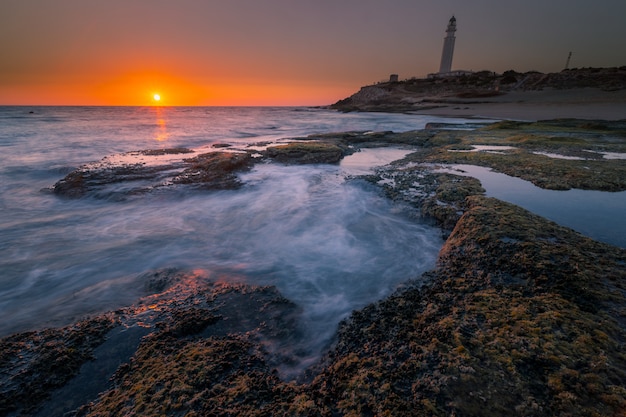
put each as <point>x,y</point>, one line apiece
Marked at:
<point>569,57</point>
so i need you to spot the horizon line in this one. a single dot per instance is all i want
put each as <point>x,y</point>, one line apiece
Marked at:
<point>166,106</point>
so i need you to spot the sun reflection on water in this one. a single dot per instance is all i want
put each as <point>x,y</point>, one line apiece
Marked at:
<point>161,134</point>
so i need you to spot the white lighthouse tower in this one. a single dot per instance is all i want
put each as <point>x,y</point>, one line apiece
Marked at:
<point>448,47</point>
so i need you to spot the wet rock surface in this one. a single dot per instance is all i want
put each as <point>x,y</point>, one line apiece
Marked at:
<point>520,317</point>
<point>215,170</point>
<point>36,363</point>
<point>193,325</point>
<point>120,176</point>
<point>305,153</point>
<point>557,154</point>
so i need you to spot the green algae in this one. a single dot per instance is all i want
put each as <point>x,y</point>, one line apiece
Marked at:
<point>585,170</point>
<point>33,364</point>
<point>313,152</point>
<point>433,196</point>
<point>212,376</point>
<point>543,171</point>
<point>505,327</point>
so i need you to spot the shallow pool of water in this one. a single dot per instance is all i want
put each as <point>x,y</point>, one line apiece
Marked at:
<point>600,215</point>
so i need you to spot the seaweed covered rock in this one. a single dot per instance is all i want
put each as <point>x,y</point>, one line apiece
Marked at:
<point>198,346</point>
<point>215,170</point>
<point>212,376</point>
<point>521,318</point>
<point>138,172</point>
<point>305,153</point>
<point>436,196</point>
<point>557,154</point>
<point>33,364</point>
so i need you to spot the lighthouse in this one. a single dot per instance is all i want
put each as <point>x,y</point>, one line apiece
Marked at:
<point>448,48</point>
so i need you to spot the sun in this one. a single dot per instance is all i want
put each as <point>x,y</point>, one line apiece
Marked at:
<point>157,97</point>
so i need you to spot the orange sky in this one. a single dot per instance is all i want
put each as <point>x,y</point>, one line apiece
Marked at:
<point>139,88</point>
<point>279,52</point>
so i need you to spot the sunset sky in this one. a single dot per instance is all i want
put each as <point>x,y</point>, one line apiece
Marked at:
<point>281,52</point>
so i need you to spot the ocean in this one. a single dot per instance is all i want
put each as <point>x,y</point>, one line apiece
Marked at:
<point>328,244</point>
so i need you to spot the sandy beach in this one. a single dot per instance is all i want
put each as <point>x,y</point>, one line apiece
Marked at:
<point>583,103</point>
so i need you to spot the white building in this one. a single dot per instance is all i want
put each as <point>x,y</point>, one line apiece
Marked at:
<point>448,48</point>
<point>445,69</point>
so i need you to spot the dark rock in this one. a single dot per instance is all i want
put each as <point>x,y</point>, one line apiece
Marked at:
<point>216,338</point>
<point>111,179</point>
<point>160,280</point>
<point>215,170</point>
<point>73,185</point>
<point>33,364</point>
<point>166,151</point>
<point>305,153</point>
<point>476,342</point>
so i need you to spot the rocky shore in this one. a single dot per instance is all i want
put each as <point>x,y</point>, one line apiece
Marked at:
<point>139,172</point>
<point>584,93</point>
<point>520,317</point>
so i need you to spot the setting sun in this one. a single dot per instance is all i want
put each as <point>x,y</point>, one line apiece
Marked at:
<point>156,97</point>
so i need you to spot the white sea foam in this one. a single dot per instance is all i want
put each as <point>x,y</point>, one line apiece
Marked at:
<point>328,244</point>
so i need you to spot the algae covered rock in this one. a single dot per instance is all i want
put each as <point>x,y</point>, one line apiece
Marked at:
<point>556,154</point>
<point>214,170</point>
<point>198,346</point>
<point>139,172</point>
<point>305,153</point>
<point>520,318</point>
<point>33,364</point>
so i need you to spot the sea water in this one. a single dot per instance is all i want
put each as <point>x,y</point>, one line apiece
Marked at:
<point>600,215</point>
<point>329,245</point>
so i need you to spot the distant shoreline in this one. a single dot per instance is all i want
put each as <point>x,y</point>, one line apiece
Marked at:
<point>587,93</point>
<point>584,103</point>
<point>580,103</point>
